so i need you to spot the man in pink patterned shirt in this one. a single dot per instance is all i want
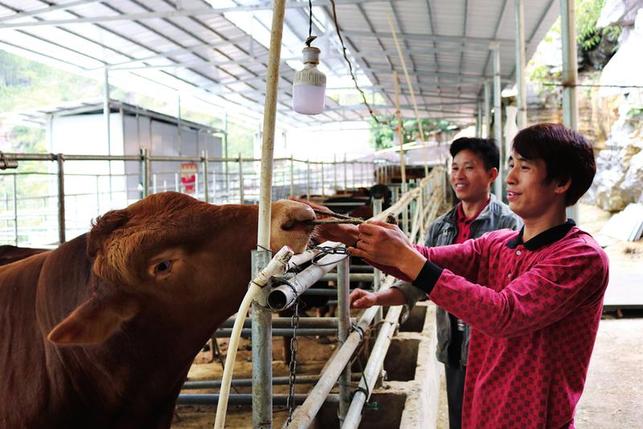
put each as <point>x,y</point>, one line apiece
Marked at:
<point>533,298</point>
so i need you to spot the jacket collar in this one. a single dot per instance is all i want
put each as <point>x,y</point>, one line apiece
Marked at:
<point>544,238</point>
<point>452,215</point>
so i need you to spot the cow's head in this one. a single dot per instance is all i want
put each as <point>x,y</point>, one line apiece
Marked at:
<point>178,254</point>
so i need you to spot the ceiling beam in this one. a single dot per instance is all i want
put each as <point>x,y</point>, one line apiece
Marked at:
<point>172,13</point>
<point>428,37</point>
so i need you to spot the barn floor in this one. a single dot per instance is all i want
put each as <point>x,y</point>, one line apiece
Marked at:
<point>312,356</point>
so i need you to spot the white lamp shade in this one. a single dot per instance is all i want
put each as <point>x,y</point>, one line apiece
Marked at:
<point>308,99</point>
<point>309,85</point>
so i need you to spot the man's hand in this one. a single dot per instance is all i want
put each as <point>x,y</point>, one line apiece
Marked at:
<point>386,245</point>
<point>361,298</point>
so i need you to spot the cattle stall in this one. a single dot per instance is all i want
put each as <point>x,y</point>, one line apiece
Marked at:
<point>346,383</point>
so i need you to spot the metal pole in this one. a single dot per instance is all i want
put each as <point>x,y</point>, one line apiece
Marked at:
<point>521,84</point>
<point>398,129</point>
<point>292,175</point>
<point>409,83</point>
<point>61,198</point>
<point>570,66</point>
<point>373,368</point>
<point>323,191</point>
<point>377,274</point>
<point>570,73</point>
<point>206,188</point>
<point>497,117</point>
<point>146,172</point>
<point>241,196</point>
<point>334,172</point>
<point>308,179</point>
<point>304,414</point>
<point>343,330</point>
<point>225,155</point>
<point>487,110</point>
<point>15,207</point>
<point>108,129</point>
<point>261,314</point>
<point>345,173</point>
<point>478,121</point>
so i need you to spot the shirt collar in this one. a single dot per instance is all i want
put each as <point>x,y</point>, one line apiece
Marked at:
<point>544,238</point>
<point>460,216</point>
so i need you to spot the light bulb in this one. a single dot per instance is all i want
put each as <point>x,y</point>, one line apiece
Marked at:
<point>309,85</point>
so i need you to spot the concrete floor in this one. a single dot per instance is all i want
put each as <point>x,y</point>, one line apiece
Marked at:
<point>613,395</point>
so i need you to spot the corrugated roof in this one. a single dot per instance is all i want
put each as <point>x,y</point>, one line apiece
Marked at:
<point>217,49</point>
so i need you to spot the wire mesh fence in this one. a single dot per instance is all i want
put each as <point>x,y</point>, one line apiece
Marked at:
<point>49,197</point>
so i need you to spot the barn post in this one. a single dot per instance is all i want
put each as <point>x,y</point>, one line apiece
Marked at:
<point>569,74</point>
<point>61,198</point>
<point>343,331</point>
<point>261,314</point>
<point>497,117</point>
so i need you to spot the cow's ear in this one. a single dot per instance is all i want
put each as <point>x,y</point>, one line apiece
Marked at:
<point>95,321</point>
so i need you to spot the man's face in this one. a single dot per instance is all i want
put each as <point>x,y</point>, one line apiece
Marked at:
<point>470,180</point>
<point>528,194</point>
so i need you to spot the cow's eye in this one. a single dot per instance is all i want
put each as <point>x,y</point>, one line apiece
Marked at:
<point>162,267</point>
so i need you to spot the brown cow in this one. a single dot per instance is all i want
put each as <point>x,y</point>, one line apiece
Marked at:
<point>9,254</point>
<point>100,333</point>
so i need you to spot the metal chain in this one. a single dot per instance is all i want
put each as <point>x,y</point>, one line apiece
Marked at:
<point>292,367</point>
<point>328,250</point>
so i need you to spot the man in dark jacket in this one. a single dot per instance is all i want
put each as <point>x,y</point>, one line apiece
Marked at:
<point>473,171</point>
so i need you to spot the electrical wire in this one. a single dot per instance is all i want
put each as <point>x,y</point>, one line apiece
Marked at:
<point>350,69</point>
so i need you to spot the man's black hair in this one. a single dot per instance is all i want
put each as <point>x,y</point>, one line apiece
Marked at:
<point>566,153</point>
<point>486,149</point>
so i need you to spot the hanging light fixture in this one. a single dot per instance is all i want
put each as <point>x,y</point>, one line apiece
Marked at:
<point>309,84</point>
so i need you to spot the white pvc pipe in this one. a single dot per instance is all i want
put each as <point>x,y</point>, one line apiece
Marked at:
<point>277,266</point>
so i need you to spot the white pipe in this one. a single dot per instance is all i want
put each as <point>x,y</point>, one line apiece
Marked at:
<point>277,266</point>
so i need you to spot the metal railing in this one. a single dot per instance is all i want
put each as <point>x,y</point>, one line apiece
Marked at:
<point>49,197</point>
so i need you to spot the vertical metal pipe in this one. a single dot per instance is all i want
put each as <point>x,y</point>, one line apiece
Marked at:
<point>308,179</point>
<point>323,190</point>
<point>487,110</point>
<point>15,207</point>
<point>478,120</point>
<point>206,187</point>
<point>225,156</point>
<point>178,124</point>
<point>377,274</point>
<point>261,351</point>
<point>334,172</point>
<point>261,314</point>
<point>61,198</point>
<point>241,195</point>
<point>292,175</point>
<point>570,66</point>
<point>345,173</point>
<point>398,130</point>
<point>146,171</point>
<point>570,73</point>
<point>154,187</point>
<point>343,331</point>
<point>521,84</point>
<point>497,117</point>
<point>108,129</point>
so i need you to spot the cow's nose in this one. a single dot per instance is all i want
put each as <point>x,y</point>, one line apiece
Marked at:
<point>299,218</point>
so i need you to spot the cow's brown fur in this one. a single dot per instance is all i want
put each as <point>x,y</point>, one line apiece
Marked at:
<point>119,359</point>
